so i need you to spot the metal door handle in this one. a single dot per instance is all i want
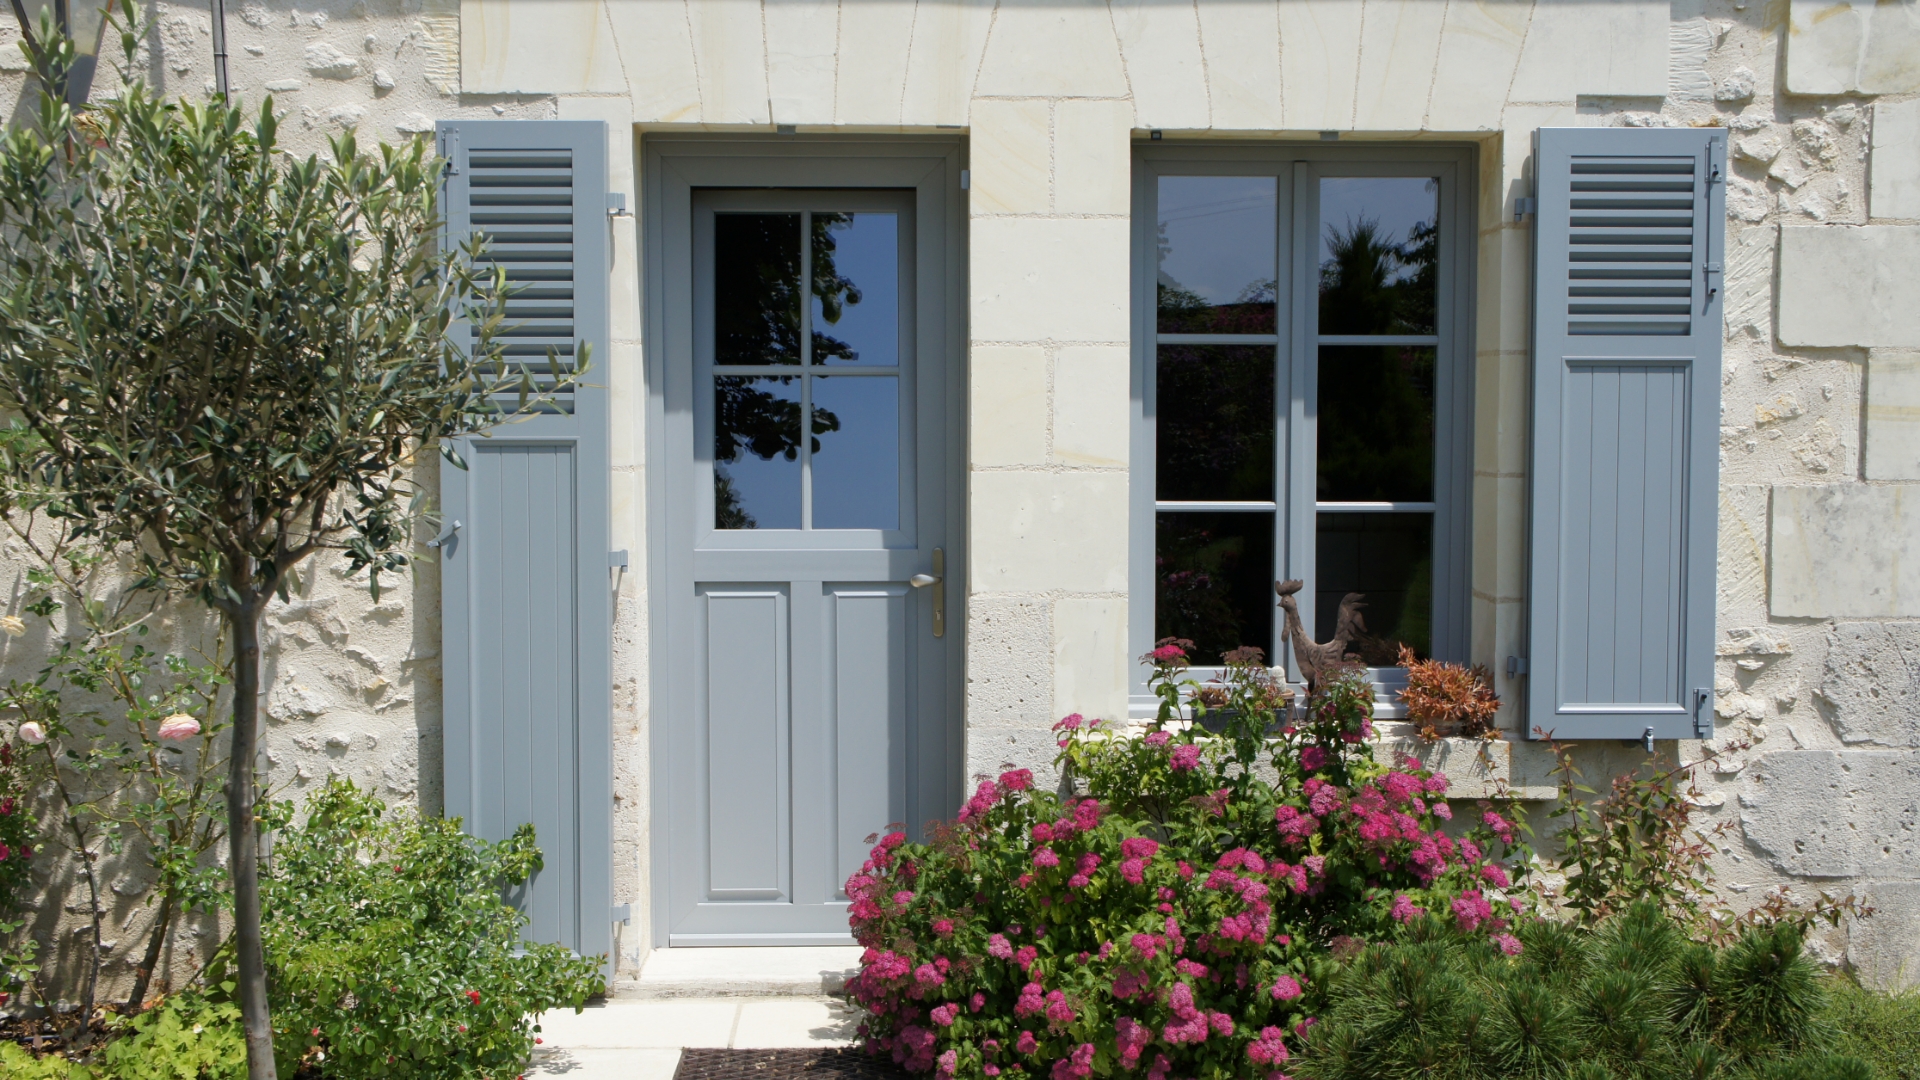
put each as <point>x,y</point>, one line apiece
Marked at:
<point>938,577</point>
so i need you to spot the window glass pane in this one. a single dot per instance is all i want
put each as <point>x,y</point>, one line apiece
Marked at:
<point>1215,426</point>
<point>856,285</point>
<point>1388,560</point>
<point>756,452</point>
<point>756,288</point>
<point>1216,254</point>
<point>856,452</point>
<point>1376,423</point>
<point>1379,254</point>
<point>1213,581</point>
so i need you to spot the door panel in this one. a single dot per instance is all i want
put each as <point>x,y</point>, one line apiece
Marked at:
<point>808,420</point>
<point>868,630</point>
<point>747,750</point>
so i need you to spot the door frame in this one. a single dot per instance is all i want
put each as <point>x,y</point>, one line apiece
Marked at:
<point>671,166</point>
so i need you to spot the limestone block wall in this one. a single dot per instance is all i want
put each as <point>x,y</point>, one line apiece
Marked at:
<point>1819,620</point>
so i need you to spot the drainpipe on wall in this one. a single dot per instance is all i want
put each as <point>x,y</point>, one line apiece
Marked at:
<point>220,48</point>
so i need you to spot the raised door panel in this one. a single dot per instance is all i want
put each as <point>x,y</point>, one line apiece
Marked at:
<point>869,634</point>
<point>747,744</point>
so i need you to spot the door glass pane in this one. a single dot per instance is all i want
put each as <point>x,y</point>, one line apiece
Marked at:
<point>856,452</point>
<point>1215,422</point>
<point>856,286</point>
<point>756,452</point>
<point>1388,560</point>
<point>1213,581</point>
<point>1379,254</point>
<point>1376,423</point>
<point>1216,254</point>
<point>756,288</point>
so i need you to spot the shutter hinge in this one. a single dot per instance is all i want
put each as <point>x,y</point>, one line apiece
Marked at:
<point>1702,712</point>
<point>623,913</point>
<point>966,180</point>
<point>1524,205</point>
<point>1516,666</point>
<point>617,204</point>
<point>617,559</point>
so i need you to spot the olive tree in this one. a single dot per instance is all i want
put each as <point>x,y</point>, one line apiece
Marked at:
<point>228,360</point>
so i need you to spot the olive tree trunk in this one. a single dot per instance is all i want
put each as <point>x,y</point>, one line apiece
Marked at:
<point>243,827</point>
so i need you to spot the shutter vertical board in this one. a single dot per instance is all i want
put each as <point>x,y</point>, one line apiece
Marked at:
<point>1624,472</point>
<point>526,603</point>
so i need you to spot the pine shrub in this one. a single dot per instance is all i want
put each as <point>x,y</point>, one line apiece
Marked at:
<point>1630,998</point>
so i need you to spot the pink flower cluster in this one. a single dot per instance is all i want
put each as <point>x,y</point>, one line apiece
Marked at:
<point>1471,909</point>
<point>1135,852</point>
<point>1268,1049</point>
<point>1186,942</point>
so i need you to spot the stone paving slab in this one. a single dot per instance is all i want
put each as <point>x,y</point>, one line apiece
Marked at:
<point>811,971</point>
<point>641,1038</point>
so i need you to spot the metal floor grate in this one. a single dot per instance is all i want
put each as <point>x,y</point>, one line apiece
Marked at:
<point>849,1063</point>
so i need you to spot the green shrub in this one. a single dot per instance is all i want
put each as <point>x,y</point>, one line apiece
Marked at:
<point>185,1037</point>
<point>391,953</point>
<point>17,1064</point>
<point>1630,997</point>
<point>188,1036</point>
<point>1881,1029</point>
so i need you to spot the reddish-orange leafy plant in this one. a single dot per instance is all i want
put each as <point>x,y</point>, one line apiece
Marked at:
<point>1448,699</point>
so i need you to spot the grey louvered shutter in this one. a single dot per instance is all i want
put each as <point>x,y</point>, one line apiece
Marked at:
<point>526,605</point>
<point>1626,417</point>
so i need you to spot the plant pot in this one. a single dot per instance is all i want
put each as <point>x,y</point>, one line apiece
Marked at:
<point>1217,720</point>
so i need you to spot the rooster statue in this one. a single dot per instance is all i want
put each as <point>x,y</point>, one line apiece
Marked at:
<point>1315,658</point>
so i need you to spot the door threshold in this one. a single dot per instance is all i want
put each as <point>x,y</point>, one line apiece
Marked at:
<point>762,970</point>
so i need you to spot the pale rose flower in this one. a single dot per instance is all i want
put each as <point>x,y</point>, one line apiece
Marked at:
<point>32,732</point>
<point>13,625</point>
<point>179,726</point>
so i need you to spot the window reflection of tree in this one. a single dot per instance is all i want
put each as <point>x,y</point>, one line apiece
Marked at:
<point>1216,418</point>
<point>1376,403</point>
<point>757,320</point>
<point>1211,582</point>
<point>1376,418</point>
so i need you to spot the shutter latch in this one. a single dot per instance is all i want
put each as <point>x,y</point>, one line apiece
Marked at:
<point>1703,712</point>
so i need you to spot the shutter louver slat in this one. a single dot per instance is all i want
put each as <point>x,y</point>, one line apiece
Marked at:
<point>1623,471</point>
<point>1629,220</point>
<point>527,220</point>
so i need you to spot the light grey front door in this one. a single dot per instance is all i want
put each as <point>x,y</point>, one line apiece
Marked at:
<point>810,618</point>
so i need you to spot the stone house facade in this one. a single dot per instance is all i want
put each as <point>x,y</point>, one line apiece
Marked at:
<point>1046,213</point>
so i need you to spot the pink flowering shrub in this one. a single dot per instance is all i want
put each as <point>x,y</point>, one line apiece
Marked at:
<point>1176,919</point>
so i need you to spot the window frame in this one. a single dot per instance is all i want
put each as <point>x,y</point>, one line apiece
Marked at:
<point>708,203</point>
<point>1297,168</point>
